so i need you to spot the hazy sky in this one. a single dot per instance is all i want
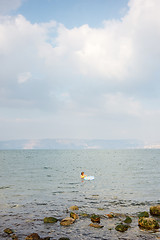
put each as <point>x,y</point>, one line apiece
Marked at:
<point>80,69</point>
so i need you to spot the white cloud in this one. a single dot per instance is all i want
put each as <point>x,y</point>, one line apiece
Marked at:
<point>8,5</point>
<point>82,73</point>
<point>24,77</point>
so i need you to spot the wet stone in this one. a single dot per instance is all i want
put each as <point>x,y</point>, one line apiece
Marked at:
<point>14,237</point>
<point>148,223</point>
<point>8,231</point>
<point>143,214</point>
<point>33,236</point>
<point>122,227</point>
<point>74,215</point>
<point>50,220</point>
<point>95,225</point>
<point>95,218</point>
<point>155,210</point>
<point>67,221</point>
<point>73,208</point>
<point>128,220</point>
<point>63,238</point>
<point>84,215</point>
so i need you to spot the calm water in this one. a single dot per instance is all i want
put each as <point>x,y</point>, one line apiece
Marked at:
<point>39,183</point>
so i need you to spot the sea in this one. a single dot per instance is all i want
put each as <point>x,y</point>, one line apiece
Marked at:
<point>35,184</point>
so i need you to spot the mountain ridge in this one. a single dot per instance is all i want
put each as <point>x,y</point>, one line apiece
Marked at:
<point>65,143</point>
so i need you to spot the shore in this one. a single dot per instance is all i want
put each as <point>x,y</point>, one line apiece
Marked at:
<point>84,226</point>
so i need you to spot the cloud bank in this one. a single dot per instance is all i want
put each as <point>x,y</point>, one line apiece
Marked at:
<point>83,82</point>
<point>9,5</point>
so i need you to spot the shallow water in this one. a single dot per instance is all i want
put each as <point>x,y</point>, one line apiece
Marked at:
<point>39,183</point>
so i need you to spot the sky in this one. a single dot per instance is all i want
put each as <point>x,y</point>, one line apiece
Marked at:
<point>84,69</point>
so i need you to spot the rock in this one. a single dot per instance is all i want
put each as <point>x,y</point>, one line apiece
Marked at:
<point>143,214</point>
<point>74,215</point>
<point>148,223</point>
<point>64,238</point>
<point>46,238</point>
<point>122,227</point>
<point>115,215</point>
<point>14,237</point>
<point>50,220</point>
<point>67,221</point>
<point>8,231</point>
<point>73,208</point>
<point>110,215</point>
<point>128,220</point>
<point>84,214</point>
<point>155,210</point>
<point>95,218</point>
<point>95,225</point>
<point>33,236</point>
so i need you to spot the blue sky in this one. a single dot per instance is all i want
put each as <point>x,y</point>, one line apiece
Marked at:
<point>73,13</point>
<point>80,69</point>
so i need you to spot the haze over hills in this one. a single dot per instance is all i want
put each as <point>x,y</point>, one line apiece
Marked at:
<point>72,144</point>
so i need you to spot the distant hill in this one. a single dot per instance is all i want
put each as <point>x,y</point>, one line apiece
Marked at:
<point>70,144</point>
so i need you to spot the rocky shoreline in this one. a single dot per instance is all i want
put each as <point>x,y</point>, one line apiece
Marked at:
<point>148,223</point>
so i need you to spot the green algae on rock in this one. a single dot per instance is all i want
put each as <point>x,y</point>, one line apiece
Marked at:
<point>122,227</point>
<point>128,220</point>
<point>33,236</point>
<point>50,220</point>
<point>14,237</point>
<point>74,215</point>
<point>155,210</point>
<point>95,218</point>
<point>148,223</point>
<point>143,214</point>
<point>8,231</point>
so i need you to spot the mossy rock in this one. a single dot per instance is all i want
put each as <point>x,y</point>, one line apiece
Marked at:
<point>73,208</point>
<point>8,231</point>
<point>128,220</point>
<point>14,237</point>
<point>95,218</point>
<point>148,223</point>
<point>74,215</point>
<point>143,214</point>
<point>33,236</point>
<point>122,227</point>
<point>155,210</point>
<point>50,220</point>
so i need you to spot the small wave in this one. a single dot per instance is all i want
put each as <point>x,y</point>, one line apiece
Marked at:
<point>5,187</point>
<point>58,192</point>
<point>41,204</point>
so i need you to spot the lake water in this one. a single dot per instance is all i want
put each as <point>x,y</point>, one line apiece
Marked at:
<point>39,183</point>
